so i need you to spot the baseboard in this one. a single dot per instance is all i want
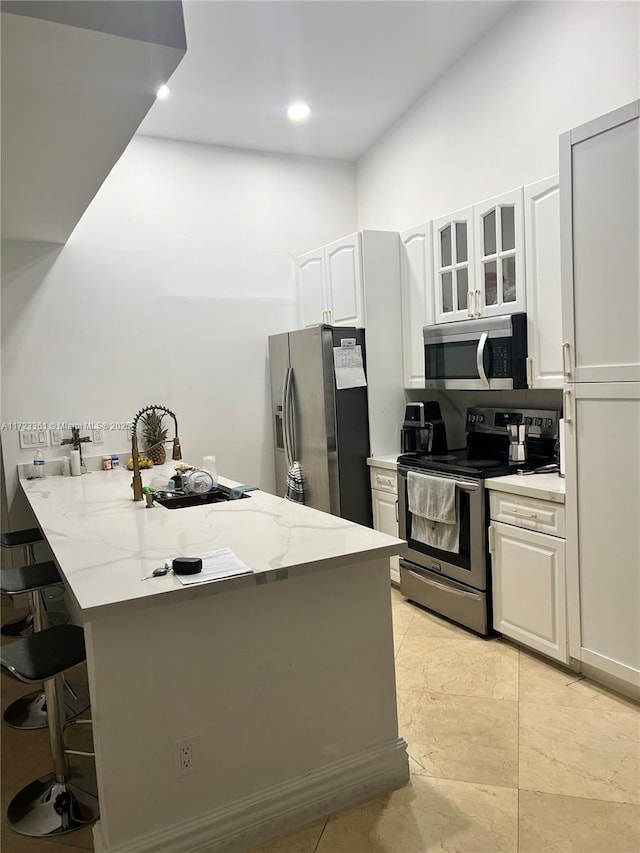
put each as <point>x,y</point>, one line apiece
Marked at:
<point>274,811</point>
<point>621,685</point>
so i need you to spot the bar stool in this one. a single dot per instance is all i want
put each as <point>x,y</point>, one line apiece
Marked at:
<point>64,800</point>
<point>30,711</point>
<point>25,539</point>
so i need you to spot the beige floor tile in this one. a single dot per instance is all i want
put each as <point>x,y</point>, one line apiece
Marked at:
<point>463,667</point>
<point>554,824</point>
<point>580,752</point>
<point>427,624</point>
<point>544,683</point>
<point>302,840</point>
<point>427,816</point>
<point>402,613</point>
<point>458,737</point>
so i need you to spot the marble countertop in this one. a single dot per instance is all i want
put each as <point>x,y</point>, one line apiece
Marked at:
<point>104,542</point>
<point>390,462</point>
<point>548,487</point>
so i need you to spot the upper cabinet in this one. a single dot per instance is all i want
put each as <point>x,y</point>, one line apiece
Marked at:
<point>600,222</point>
<point>77,80</point>
<point>544,295</point>
<point>329,283</point>
<point>417,300</point>
<point>499,250</point>
<point>453,270</point>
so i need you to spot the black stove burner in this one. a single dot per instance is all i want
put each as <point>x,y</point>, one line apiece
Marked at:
<point>460,463</point>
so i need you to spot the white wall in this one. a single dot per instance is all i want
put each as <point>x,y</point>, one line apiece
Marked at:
<point>166,292</point>
<point>492,122</point>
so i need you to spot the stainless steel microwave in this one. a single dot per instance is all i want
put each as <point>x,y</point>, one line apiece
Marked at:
<point>489,353</point>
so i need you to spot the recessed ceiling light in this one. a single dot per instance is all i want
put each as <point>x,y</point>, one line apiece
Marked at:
<point>299,111</point>
<point>163,92</point>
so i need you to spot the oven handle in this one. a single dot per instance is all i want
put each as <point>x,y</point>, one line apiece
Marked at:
<point>448,588</point>
<point>480,358</point>
<point>463,484</point>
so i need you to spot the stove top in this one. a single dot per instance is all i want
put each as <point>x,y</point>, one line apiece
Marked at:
<point>459,462</point>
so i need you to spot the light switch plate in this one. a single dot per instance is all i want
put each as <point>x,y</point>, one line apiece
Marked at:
<point>55,437</point>
<point>33,438</point>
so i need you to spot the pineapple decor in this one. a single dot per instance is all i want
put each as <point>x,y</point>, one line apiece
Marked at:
<point>154,435</point>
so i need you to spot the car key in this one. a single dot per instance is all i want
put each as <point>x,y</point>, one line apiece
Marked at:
<point>157,573</point>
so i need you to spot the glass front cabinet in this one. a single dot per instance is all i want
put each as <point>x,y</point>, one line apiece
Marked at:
<point>479,260</point>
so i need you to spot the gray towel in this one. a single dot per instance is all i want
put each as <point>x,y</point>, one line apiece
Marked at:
<point>432,502</point>
<point>295,486</point>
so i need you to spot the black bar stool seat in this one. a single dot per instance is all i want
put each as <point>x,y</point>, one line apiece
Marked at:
<point>20,538</point>
<point>64,800</point>
<point>30,711</point>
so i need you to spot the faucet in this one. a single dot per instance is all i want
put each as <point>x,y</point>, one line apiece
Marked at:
<point>177,454</point>
<point>76,441</point>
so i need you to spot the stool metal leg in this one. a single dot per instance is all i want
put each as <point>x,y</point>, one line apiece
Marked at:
<point>62,801</point>
<point>30,711</point>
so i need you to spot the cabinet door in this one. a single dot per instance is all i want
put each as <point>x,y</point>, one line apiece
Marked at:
<point>499,244</point>
<point>416,293</point>
<point>385,519</point>
<point>602,452</point>
<point>600,226</point>
<point>529,589</point>
<point>343,274</point>
<point>453,270</point>
<point>310,285</point>
<point>544,294</point>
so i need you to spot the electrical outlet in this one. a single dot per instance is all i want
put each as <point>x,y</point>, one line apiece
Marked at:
<point>98,437</point>
<point>184,755</point>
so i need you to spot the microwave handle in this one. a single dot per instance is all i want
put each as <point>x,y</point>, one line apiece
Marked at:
<point>480,358</point>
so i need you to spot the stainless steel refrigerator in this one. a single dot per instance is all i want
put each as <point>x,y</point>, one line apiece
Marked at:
<point>323,428</point>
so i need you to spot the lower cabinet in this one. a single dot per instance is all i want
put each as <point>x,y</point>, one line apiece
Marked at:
<point>384,500</point>
<point>529,581</point>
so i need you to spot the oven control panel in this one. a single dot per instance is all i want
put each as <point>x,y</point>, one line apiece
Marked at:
<point>542,423</point>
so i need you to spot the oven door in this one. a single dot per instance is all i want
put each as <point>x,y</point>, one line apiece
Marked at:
<point>469,565</point>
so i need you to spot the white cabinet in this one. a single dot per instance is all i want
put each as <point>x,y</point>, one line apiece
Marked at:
<point>543,288</point>
<point>529,583</point>
<point>453,267</point>
<point>600,226</point>
<point>384,500</point>
<point>602,452</point>
<point>330,284</point>
<point>416,292</point>
<point>355,281</point>
<point>499,255</point>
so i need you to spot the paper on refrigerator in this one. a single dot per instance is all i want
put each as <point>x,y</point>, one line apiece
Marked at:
<point>349,367</point>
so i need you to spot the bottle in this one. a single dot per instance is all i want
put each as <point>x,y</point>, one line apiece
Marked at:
<point>209,464</point>
<point>75,463</point>
<point>66,466</point>
<point>38,464</point>
<point>115,461</point>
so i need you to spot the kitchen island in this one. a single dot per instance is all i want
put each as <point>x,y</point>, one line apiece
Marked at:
<point>282,679</point>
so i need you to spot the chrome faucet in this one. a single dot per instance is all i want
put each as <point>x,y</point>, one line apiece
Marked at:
<point>176,455</point>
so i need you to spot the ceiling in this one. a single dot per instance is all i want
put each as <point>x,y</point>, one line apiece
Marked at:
<point>361,66</point>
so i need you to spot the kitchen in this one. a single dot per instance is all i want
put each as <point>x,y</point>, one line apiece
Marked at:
<point>160,255</point>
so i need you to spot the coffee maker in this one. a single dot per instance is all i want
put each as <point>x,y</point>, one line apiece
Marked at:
<point>423,430</point>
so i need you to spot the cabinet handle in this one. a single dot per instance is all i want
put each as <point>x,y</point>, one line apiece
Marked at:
<point>397,515</point>
<point>530,371</point>
<point>521,513</point>
<point>492,539</point>
<point>568,414</point>
<point>470,307</point>
<point>566,358</point>
<point>478,304</point>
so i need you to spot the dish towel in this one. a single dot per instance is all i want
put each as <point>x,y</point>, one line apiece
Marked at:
<point>295,486</point>
<point>432,502</point>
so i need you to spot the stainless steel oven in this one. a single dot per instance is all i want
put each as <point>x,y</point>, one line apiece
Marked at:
<point>453,584</point>
<point>490,353</point>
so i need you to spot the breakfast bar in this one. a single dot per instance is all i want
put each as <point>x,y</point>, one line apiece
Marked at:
<point>281,680</point>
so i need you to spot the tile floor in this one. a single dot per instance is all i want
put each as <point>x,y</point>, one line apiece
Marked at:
<point>507,753</point>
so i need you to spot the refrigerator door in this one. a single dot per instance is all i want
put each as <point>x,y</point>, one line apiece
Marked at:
<point>311,383</point>
<point>279,367</point>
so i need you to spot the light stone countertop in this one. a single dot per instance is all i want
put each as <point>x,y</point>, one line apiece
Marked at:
<point>390,462</point>
<point>547,487</point>
<point>104,542</point>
